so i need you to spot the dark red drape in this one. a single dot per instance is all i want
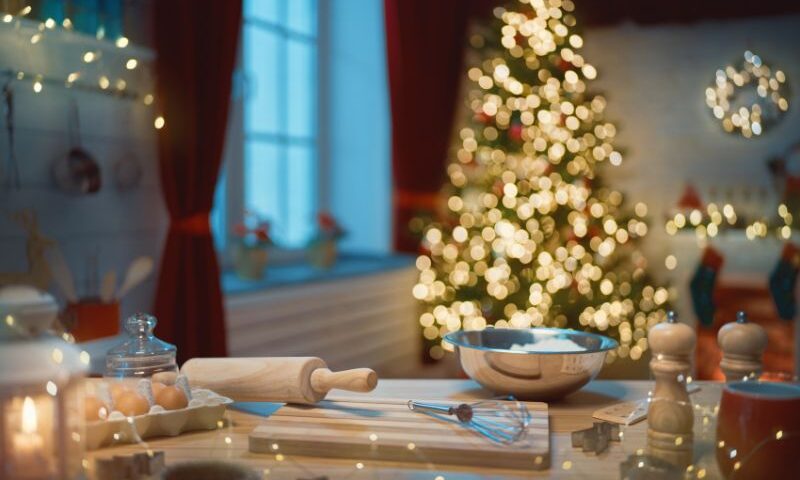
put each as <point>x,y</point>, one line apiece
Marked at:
<point>425,41</point>
<point>196,42</point>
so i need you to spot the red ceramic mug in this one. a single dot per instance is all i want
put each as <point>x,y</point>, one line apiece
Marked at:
<point>758,430</point>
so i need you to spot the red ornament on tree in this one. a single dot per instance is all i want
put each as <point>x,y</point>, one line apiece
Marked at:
<point>515,132</point>
<point>497,188</point>
<point>483,118</point>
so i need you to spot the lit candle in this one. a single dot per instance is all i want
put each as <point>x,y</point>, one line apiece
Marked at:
<point>28,443</point>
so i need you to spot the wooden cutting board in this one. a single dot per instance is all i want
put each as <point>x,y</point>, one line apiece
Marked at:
<point>385,429</point>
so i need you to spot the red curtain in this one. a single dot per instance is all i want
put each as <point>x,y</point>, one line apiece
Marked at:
<point>425,41</point>
<point>196,42</point>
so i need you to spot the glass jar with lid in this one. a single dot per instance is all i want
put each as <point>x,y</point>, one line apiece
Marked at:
<point>141,355</point>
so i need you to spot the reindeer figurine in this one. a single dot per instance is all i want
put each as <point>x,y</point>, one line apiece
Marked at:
<point>38,274</point>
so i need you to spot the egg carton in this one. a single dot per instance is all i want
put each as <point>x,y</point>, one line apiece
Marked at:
<point>204,412</point>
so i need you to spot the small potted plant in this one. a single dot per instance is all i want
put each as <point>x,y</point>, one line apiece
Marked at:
<point>251,246</point>
<point>322,250</point>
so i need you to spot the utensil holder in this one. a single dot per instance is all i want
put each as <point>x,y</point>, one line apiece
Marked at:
<point>93,319</point>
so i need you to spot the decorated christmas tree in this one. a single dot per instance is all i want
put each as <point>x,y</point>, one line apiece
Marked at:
<point>532,236</point>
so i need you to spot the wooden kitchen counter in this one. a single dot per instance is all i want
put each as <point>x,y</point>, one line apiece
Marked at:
<point>573,413</point>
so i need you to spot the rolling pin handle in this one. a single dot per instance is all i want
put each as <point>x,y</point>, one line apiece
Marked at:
<point>355,380</point>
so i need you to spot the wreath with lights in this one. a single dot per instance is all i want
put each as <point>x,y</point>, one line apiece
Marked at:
<point>748,98</point>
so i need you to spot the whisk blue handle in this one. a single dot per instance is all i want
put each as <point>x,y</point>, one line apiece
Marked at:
<point>429,407</point>
<point>463,412</point>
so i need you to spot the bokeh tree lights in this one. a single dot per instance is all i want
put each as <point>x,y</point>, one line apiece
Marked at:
<point>531,236</point>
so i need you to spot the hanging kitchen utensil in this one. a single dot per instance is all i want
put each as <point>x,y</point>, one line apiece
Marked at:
<point>12,169</point>
<point>126,170</point>
<point>77,172</point>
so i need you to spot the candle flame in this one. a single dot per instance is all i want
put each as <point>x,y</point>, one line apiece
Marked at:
<point>29,423</point>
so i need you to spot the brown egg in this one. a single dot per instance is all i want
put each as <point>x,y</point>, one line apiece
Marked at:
<point>157,386</point>
<point>171,397</point>
<point>131,403</point>
<point>117,389</point>
<point>94,408</point>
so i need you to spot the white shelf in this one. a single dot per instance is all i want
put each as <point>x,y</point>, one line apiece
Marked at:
<point>27,27</point>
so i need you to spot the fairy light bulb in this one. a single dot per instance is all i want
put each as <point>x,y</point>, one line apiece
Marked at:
<point>122,42</point>
<point>159,122</point>
<point>89,57</point>
<point>131,63</point>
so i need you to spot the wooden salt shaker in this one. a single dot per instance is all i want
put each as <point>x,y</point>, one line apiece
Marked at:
<point>670,416</point>
<point>742,344</point>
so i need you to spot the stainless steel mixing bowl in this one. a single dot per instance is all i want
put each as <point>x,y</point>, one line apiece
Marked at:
<point>487,358</point>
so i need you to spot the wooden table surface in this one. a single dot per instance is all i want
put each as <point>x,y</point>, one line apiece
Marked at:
<point>573,413</point>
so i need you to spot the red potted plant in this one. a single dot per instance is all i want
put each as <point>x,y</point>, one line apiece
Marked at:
<point>322,250</point>
<point>251,246</point>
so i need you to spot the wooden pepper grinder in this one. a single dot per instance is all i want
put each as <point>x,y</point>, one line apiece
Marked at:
<point>742,344</point>
<point>670,416</point>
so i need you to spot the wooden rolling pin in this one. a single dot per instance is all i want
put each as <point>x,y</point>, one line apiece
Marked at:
<point>275,379</point>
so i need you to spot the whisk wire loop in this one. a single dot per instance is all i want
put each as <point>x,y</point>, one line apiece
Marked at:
<point>502,421</point>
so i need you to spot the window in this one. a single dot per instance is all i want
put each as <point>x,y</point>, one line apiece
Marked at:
<point>274,174</point>
<point>309,127</point>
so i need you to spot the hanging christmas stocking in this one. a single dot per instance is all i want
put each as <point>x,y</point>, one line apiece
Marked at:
<point>702,285</point>
<point>782,281</point>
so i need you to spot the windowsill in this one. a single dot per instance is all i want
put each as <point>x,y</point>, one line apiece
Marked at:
<point>301,273</point>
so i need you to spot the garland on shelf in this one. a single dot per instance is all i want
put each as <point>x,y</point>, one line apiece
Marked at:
<point>714,220</point>
<point>77,79</point>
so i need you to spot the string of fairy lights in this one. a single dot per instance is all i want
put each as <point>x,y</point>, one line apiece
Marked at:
<point>715,220</point>
<point>532,232</point>
<point>102,82</point>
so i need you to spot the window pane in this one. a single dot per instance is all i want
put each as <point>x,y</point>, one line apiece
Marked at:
<point>267,10</point>
<point>302,95</point>
<point>262,55</point>
<point>301,194</point>
<point>263,174</point>
<point>303,16</point>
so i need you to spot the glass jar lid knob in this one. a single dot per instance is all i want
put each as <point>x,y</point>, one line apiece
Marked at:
<point>140,324</point>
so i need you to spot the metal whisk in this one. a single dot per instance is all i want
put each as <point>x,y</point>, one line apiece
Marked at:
<point>501,421</point>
